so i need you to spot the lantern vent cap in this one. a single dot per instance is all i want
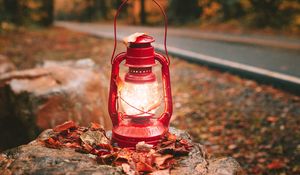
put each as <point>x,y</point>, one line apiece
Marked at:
<point>138,38</point>
<point>144,39</point>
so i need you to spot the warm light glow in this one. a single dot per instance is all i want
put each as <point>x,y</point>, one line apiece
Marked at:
<point>140,99</point>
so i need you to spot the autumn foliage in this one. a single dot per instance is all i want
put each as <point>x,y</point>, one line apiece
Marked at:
<point>26,12</point>
<point>93,140</point>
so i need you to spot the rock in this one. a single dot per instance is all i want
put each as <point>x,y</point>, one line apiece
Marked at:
<point>198,162</point>
<point>224,166</point>
<point>6,65</point>
<point>36,99</point>
<point>34,158</point>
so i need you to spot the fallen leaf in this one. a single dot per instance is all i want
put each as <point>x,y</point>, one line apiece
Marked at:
<point>232,146</point>
<point>276,164</point>
<point>272,119</point>
<point>107,159</point>
<point>96,126</point>
<point>171,137</point>
<point>166,149</point>
<point>65,126</point>
<point>160,161</point>
<point>94,138</point>
<point>143,147</point>
<point>124,156</point>
<point>52,143</point>
<point>132,38</point>
<point>143,167</point>
<point>73,145</point>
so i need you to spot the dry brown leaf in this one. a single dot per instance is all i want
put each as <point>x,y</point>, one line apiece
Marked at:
<point>143,147</point>
<point>143,167</point>
<point>160,161</point>
<point>94,138</point>
<point>132,38</point>
<point>65,126</point>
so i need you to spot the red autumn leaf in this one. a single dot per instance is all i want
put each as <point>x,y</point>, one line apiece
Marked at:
<point>272,119</point>
<point>143,167</point>
<point>160,161</point>
<point>104,146</point>
<point>177,147</point>
<point>124,156</point>
<point>85,148</point>
<point>171,137</point>
<point>186,144</point>
<point>107,159</point>
<point>100,151</point>
<point>276,164</point>
<point>95,126</point>
<point>72,145</point>
<point>232,146</point>
<point>142,157</point>
<point>65,126</point>
<point>166,149</point>
<point>165,143</point>
<point>180,151</point>
<point>52,143</point>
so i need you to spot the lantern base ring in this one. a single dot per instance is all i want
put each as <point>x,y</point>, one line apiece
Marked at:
<point>128,135</point>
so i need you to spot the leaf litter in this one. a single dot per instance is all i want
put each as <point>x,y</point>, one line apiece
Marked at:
<point>144,159</point>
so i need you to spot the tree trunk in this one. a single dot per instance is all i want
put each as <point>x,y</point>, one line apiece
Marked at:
<point>143,14</point>
<point>48,8</point>
<point>12,11</point>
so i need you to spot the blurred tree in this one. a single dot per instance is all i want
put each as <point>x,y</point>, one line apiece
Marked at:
<point>210,10</point>
<point>103,6</point>
<point>85,10</point>
<point>48,10</point>
<point>115,6</point>
<point>180,12</point>
<point>274,13</point>
<point>12,11</point>
<point>89,10</point>
<point>265,12</point>
<point>254,13</point>
<point>24,12</point>
<point>143,14</point>
<point>96,9</point>
<point>231,9</point>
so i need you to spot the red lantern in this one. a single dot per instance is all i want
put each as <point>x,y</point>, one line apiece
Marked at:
<point>138,94</point>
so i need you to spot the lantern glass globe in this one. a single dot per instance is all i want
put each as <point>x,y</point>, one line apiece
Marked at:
<point>140,99</point>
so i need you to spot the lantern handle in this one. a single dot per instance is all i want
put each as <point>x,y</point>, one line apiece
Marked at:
<point>115,29</point>
<point>113,91</point>
<point>166,116</point>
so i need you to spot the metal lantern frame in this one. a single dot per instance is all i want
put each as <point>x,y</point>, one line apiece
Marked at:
<point>140,57</point>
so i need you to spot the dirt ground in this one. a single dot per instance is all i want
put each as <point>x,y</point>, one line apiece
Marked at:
<point>256,124</point>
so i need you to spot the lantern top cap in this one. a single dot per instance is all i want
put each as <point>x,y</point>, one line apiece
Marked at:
<point>143,39</point>
<point>138,38</point>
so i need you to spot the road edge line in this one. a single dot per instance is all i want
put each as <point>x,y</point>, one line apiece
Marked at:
<point>264,76</point>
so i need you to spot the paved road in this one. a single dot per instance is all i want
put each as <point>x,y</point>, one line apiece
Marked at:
<point>283,57</point>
